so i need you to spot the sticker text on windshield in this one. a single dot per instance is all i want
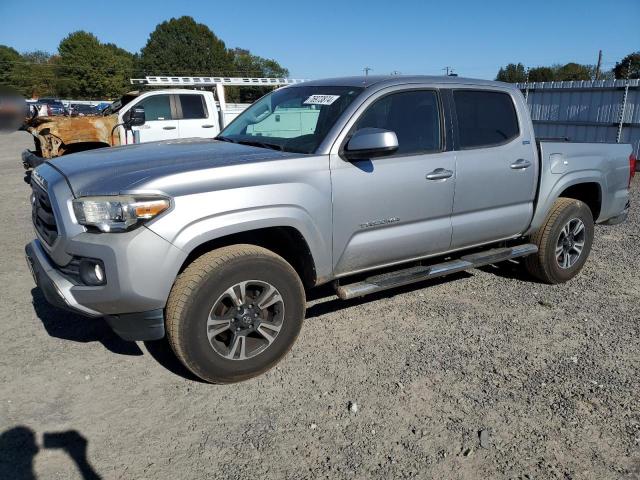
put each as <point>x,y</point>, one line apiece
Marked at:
<point>321,99</point>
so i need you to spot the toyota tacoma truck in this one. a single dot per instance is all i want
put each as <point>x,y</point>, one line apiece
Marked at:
<point>373,183</point>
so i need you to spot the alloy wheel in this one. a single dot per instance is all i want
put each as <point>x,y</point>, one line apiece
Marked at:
<point>245,320</point>
<point>570,243</point>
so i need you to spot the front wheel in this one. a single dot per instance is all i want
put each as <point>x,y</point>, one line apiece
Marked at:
<point>564,242</point>
<point>234,313</point>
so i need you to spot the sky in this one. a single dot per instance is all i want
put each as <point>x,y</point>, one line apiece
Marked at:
<point>327,38</point>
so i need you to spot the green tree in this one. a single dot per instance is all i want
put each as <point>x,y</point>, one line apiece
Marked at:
<point>120,68</point>
<point>9,58</point>
<point>628,65</point>
<point>33,76</point>
<point>181,46</point>
<point>79,65</point>
<point>245,64</point>
<point>87,68</point>
<point>512,73</point>
<point>541,74</point>
<point>573,71</point>
<point>249,65</point>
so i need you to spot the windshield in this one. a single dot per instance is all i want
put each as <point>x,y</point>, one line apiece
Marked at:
<point>116,106</point>
<point>113,108</point>
<point>292,119</point>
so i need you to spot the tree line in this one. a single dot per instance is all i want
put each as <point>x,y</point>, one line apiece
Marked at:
<point>628,67</point>
<point>85,68</point>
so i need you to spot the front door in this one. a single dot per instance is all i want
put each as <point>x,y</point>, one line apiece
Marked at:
<point>396,207</point>
<point>161,122</point>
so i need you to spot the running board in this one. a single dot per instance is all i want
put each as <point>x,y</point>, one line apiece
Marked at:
<point>406,276</point>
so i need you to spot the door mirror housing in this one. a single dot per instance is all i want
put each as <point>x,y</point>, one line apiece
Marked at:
<point>371,142</point>
<point>134,117</point>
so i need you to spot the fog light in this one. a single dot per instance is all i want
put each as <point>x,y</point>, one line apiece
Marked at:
<point>92,272</point>
<point>99,273</point>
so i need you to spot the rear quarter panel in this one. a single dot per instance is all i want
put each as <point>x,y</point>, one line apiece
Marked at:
<point>566,164</point>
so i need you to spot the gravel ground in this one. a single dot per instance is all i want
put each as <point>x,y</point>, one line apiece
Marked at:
<point>483,375</point>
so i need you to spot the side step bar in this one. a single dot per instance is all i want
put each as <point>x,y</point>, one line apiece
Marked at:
<point>384,281</point>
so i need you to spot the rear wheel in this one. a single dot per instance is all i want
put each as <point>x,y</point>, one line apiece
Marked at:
<point>564,242</point>
<point>234,313</point>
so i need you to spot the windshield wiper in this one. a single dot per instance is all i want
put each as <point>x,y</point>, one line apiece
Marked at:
<point>224,139</point>
<point>255,143</point>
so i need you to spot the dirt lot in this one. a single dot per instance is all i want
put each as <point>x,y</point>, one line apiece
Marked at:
<point>485,375</point>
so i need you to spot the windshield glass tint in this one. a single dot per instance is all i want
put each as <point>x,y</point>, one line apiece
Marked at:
<point>292,119</point>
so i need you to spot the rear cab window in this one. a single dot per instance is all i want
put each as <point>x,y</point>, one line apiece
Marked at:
<point>193,106</point>
<point>485,118</point>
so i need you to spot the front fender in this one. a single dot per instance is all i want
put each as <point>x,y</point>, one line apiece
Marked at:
<point>301,202</point>
<point>217,226</point>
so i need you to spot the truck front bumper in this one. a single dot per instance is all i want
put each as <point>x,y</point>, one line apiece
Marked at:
<point>55,287</point>
<point>131,307</point>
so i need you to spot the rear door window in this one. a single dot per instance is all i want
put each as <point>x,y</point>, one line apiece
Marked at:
<point>485,118</point>
<point>157,107</point>
<point>192,106</point>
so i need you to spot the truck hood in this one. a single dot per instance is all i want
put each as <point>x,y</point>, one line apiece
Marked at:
<point>110,171</point>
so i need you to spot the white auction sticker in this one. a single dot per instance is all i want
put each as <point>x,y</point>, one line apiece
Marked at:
<point>321,99</point>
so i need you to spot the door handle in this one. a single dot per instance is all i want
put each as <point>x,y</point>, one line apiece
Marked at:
<point>439,174</point>
<point>207,126</point>
<point>169,128</point>
<point>520,164</point>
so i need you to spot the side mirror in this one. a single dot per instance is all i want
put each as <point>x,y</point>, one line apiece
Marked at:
<point>134,117</point>
<point>371,142</point>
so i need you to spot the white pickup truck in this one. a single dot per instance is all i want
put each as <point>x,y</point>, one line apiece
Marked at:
<point>168,114</point>
<point>174,113</point>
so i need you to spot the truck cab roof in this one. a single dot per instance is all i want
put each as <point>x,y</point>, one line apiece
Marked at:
<point>393,80</point>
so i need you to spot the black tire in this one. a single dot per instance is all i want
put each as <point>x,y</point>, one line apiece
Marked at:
<point>200,286</point>
<point>544,265</point>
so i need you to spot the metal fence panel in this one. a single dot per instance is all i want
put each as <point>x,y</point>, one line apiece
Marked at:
<point>586,111</point>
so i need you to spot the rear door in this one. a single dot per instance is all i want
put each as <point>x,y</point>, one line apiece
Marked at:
<point>195,119</point>
<point>496,168</point>
<point>398,207</point>
<point>161,118</point>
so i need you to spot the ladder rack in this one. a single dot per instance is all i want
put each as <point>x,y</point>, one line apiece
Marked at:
<point>174,81</point>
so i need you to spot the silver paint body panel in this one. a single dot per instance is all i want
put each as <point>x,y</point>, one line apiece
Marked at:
<point>354,216</point>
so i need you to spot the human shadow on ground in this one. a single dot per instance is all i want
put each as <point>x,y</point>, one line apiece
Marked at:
<point>18,448</point>
<point>70,326</point>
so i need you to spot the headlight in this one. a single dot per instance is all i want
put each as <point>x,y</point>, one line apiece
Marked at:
<point>118,213</point>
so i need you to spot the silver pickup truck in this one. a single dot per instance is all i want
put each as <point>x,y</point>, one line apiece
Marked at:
<point>366,183</point>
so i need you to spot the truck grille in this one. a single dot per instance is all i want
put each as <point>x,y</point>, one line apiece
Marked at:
<point>42,214</point>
